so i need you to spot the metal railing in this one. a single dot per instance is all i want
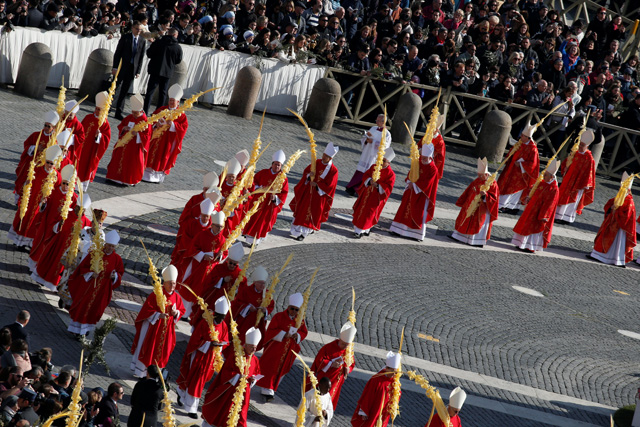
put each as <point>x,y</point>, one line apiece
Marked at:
<point>364,97</point>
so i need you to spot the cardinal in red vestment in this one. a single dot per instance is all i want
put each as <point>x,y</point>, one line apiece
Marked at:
<point>374,401</point>
<point>73,125</point>
<point>156,330</point>
<point>519,173</point>
<point>189,229</point>
<point>533,229</point>
<point>263,221</point>
<point>418,200</point>
<point>330,362</point>
<point>164,149</point>
<point>282,339</point>
<point>234,169</point>
<point>127,162</point>
<point>475,230</point>
<point>439,146</point>
<point>373,196</point>
<point>313,195</point>
<point>219,398</point>
<point>97,140</point>
<point>456,400</point>
<point>616,237</point>
<point>202,355</point>
<point>50,120</point>
<point>578,181</point>
<point>91,293</point>
<point>192,208</point>
<point>23,231</point>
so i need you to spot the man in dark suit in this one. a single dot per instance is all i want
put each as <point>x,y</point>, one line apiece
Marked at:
<point>17,328</point>
<point>109,405</point>
<point>146,399</point>
<point>164,55</point>
<point>130,50</point>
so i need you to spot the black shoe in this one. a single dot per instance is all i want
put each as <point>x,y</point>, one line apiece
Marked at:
<point>366,233</point>
<point>351,192</point>
<point>118,115</point>
<point>192,415</point>
<point>300,238</point>
<point>180,403</point>
<point>514,211</point>
<point>268,398</point>
<point>357,235</point>
<point>60,303</point>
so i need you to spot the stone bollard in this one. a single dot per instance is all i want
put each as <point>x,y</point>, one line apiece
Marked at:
<point>179,76</point>
<point>494,136</point>
<point>407,111</point>
<point>323,104</point>
<point>596,150</point>
<point>96,73</point>
<point>33,73</point>
<point>245,92</point>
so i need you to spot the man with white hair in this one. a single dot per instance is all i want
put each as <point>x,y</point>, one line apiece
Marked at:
<point>202,357</point>
<point>374,400</point>
<point>263,221</point>
<point>73,125</point>
<point>456,400</point>
<point>533,230</point>
<point>313,195</point>
<point>370,142</point>
<point>98,137</point>
<point>282,339</point>
<point>166,141</point>
<point>90,292</point>
<point>155,336</point>
<point>418,200</point>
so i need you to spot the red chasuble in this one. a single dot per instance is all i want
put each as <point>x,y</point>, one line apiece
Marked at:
<point>539,213</point>
<point>93,148</point>
<point>375,396</point>
<point>127,162</point>
<point>28,221</point>
<point>370,203</point>
<point>188,230</point>
<point>197,365</point>
<point>277,357</point>
<point>512,179</point>
<point>437,422</point>
<point>411,210</point>
<point>580,174</point>
<point>622,218</point>
<point>205,242</point>
<point>236,216</point>
<point>439,152</point>
<point>248,296</point>
<point>219,398</point>
<point>46,217</point>
<point>321,367</point>
<point>164,150</point>
<point>90,298</point>
<point>75,150</point>
<point>263,221</point>
<point>25,158</point>
<point>474,223</point>
<point>160,338</point>
<point>216,282</point>
<point>310,209</point>
<point>192,208</point>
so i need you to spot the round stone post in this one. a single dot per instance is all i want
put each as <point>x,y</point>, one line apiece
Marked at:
<point>494,136</point>
<point>245,92</point>
<point>407,111</point>
<point>323,104</point>
<point>33,73</point>
<point>596,150</point>
<point>96,72</point>
<point>179,76</point>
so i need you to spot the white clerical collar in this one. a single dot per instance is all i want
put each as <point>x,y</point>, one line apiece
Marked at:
<point>203,223</point>
<point>47,134</point>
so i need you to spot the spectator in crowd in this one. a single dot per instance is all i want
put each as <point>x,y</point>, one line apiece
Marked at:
<point>164,55</point>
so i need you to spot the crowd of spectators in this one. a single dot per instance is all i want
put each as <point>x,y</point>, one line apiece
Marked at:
<point>516,51</point>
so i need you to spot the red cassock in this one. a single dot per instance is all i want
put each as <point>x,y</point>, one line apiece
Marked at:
<point>375,396</point>
<point>541,207</point>
<point>127,162</point>
<point>160,338</point>
<point>321,367</point>
<point>474,223</point>
<point>164,150</point>
<point>47,216</point>
<point>90,298</point>
<point>25,159</point>
<point>623,218</point>
<point>310,208</point>
<point>370,202</point>
<point>188,230</point>
<point>439,152</point>
<point>206,243</point>
<point>277,357</point>
<point>216,282</point>
<point>263,221</point>
<point>236,216</point>
<point>580,174</point>
<point>28,221</point>
<point>512,179</point>
<point>246,297</point>
<point>219,398</point>
<point>192,208</point>
<point>437,422</point>
<point>75,151</point>
<point>411,212</point>
<point>197,365</point>
<point>94,148</point>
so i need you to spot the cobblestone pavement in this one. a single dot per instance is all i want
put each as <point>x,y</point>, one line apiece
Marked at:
<point>457,304</point>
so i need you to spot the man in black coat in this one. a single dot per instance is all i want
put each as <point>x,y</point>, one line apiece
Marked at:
<point>130,50</point>
<point>109,405</point>
<point>146,399</point>
<point>17,327</point>
<point>164,55</point>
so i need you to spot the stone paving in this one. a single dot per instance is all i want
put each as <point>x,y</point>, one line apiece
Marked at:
<point>462,299</point>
